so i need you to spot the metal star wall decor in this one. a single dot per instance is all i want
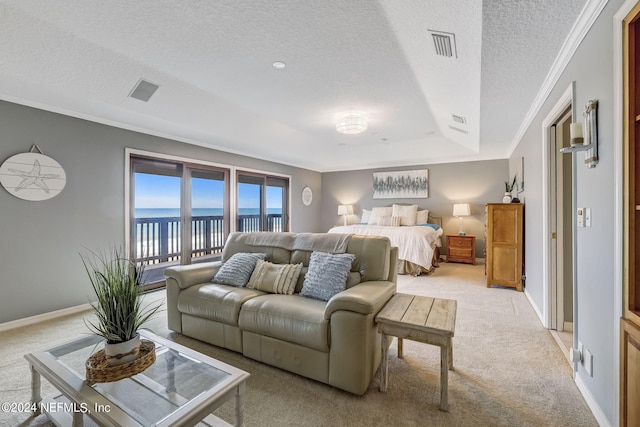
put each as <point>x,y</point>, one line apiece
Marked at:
<point>32,176</point>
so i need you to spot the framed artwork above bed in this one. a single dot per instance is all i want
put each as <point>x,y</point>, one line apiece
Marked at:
<point>401,184</point>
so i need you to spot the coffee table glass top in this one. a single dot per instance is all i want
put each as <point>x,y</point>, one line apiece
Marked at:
<point>170,382</point>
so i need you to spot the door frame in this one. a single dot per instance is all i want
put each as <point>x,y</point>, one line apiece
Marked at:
<point>557,213</point>
<point>620,251</point>
<point>566,100</point>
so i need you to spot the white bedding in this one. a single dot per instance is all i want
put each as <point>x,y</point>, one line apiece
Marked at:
<point>415,243</point>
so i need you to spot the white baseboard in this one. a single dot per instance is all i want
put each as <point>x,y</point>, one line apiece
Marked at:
<point>43,317</point>
<point>601,418</point>
<point>535,308</point>
<point>567,326</point>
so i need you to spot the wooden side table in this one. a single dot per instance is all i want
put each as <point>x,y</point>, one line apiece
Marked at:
<point>424,319</point>
<point>461,248</point>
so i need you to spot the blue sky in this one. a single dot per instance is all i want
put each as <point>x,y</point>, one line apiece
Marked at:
<point>158,191</point>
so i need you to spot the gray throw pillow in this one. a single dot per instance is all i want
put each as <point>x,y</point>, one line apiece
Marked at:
<point>327,275</point>
<point>237,270</point>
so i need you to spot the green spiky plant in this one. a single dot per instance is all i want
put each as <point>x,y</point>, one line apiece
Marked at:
<point>117,283</point>
<point>509,186</point>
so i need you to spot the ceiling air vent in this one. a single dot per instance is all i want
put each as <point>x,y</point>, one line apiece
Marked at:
<point>143,90</point>
<point>459,119</point>
<point>444,43</point>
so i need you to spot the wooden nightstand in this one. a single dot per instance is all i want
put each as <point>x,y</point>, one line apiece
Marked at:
<point>461,248</point>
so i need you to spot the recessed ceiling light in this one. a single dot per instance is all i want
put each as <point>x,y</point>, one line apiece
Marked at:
<point>279,65</point>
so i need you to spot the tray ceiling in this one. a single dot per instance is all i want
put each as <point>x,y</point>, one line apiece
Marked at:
<point>217,87</point>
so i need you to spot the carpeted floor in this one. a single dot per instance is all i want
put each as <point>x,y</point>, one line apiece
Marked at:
<point>508,369</point>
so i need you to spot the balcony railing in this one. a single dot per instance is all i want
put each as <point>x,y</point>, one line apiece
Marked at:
<point>158,240</point>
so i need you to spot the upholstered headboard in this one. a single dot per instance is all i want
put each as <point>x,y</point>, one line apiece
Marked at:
<point>435,219</point>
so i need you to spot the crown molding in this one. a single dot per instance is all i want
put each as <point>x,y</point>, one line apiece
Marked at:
<point>583,24</point>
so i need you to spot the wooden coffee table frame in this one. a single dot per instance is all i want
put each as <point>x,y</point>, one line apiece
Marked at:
<point>424,319</point>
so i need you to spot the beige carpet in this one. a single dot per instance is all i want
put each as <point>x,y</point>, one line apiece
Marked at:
<point>508,370</point>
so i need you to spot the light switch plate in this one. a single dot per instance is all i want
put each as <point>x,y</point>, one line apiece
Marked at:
<point>580,217</point>
<point>588,362</point>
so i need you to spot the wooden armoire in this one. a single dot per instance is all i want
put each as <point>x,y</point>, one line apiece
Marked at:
<point>504,244</point>
<point>630,322</point>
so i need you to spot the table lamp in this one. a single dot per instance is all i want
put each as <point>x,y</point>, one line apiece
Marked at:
<point>345,210</point>
<point>460,210</point>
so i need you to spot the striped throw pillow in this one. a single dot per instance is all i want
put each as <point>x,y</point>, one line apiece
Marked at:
<point>275,278</point>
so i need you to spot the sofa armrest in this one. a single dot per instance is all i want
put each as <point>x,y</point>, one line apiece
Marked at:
<point>364,298</point>
<point>189,275</point>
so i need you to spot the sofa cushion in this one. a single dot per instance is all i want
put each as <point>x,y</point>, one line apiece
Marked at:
<point>238,242</point>
<point>290,318</point>
<point>275,278</point>
<point>327,275</point>
<point>215,302</point>
<point>237,269</point>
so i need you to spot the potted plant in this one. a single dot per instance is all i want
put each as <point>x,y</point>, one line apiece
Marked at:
<point>508,188</point>
<point>117,283</point>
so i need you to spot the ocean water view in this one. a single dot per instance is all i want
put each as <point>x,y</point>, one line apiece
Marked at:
<point>158,236</point>
<point>175,212</point>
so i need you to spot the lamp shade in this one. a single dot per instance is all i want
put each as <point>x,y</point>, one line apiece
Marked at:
<point>345,209</point>
<point>461,209</point>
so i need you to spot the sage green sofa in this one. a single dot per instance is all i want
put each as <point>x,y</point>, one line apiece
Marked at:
<point>335,342</point>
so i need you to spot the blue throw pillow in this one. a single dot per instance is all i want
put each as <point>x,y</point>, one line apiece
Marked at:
<point>327,275</point>
<point>237,270</point>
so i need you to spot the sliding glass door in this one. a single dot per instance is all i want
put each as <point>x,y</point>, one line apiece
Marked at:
<point>262,202</point>
<point>180,211</point>
<point>179,214</point>
<point>209,214</point>
<point>156,228</point>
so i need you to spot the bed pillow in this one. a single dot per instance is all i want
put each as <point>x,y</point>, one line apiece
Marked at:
<point>407,214</point>
<point>327,275</point>
<point>378,213</point>
<point>387,221</point>
<point>237,270</point>
<point>366,214</point>
<point>422,217</point>
<point>275,278</point>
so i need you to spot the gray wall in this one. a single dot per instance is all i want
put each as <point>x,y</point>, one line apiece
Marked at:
<point>474,182</point>
<point>591,68</point>
<point>41,241</point>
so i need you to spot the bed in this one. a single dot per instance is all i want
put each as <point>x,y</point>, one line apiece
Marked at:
<point>418,245</point>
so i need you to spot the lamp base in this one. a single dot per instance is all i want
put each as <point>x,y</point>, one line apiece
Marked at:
<point>462,233</point>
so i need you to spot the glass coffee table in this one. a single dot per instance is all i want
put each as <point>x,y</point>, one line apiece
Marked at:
<point>181,388</point>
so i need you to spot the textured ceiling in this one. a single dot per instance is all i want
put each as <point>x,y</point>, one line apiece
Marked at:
<point>218,88</point>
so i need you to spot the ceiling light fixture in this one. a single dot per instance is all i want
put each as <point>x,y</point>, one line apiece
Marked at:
<point>279,65</point>
<point>351,123</point>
